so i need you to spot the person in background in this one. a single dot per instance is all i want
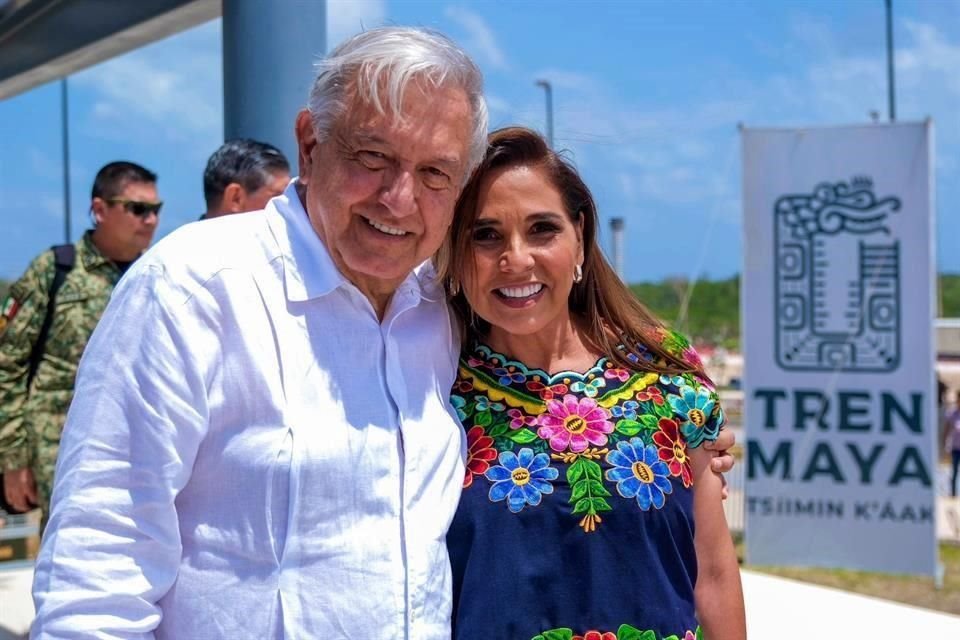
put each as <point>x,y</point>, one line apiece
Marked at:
<point>952,443</point>
<point>242,175</point>
<point>589,509</point>
<point>47,319</point>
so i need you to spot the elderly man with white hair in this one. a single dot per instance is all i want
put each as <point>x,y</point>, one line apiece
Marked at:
<point>261,444</point>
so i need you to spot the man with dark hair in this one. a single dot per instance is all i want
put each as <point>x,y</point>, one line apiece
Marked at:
<point>48,317</point>
<point>242,175</point>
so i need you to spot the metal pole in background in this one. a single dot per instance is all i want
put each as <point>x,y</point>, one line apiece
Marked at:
<point>65,126</point>
<point>890,84</point>
<point>548,90</point>
<point>616,226</point>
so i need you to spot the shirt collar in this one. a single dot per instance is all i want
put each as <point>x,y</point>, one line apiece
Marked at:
<point>88,254</point>
<point>308,269</point>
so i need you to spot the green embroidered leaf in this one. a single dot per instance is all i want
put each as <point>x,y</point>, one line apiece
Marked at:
<point>581,506</point>
<point>626,632</point>
<point>579,491</point>
<point>592,469</point>
<point>483,418</point>
<point>555,634</point>
<point>663,410</point>
<point>575,471</point>
<point>597,488</point>
<point>599,504</point>
<point>673,637</point>
<point>650,422</point>
<point>699,633</point>
<point>629,427</point>
<point>498,430</point>
<point>646,437</point>
<point>522,436</point>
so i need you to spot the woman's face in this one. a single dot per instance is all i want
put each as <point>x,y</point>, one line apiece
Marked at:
<point>525,248</point>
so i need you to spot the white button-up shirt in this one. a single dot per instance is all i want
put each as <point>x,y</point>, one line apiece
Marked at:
<point>251,453</point>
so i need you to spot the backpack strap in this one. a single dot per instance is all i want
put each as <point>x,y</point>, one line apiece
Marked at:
<point>65,256</point>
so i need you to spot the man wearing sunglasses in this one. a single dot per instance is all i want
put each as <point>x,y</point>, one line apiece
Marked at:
<point>47,319</point>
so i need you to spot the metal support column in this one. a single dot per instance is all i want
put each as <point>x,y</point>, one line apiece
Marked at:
<point>269,47</point>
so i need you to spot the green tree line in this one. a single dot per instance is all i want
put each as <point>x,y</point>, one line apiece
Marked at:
<point>712,312</point>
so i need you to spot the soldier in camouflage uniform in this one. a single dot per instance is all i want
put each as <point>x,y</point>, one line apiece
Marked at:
<point>124,209</point>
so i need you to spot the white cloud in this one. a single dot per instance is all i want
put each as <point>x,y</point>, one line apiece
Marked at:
<point>347,18</point>
<point>173,87</point>
<point>480,40</point>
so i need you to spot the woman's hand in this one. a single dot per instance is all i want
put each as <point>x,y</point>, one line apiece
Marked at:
<point>723,461</point>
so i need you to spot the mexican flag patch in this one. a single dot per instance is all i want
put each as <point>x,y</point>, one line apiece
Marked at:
<point>8,311</point>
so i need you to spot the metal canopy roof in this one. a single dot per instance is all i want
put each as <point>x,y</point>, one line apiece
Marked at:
<point>42,40</point>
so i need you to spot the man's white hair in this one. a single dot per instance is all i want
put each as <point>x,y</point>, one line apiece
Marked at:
<point>379,65</point>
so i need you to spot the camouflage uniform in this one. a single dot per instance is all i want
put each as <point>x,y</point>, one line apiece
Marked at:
<point>31,419</point>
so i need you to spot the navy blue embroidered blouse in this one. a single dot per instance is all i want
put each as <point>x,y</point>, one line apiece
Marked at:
<point>576,520</point>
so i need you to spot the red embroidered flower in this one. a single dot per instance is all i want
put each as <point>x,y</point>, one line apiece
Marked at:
<point>545,392</point>
<point>597,635</point>
<point>673,450</point>
<point>574,423</point>
<point>653,394</point>
<point>463,385</point>
<point>480,452</point>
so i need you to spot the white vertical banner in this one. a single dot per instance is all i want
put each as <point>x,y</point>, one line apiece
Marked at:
<point>837,308</point>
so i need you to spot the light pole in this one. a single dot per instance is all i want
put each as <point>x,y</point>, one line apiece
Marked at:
<point>65,133</point>
<point>548,91</point>
<point>891,94</point>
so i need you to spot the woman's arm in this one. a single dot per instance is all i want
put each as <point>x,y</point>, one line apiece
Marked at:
<point>718,594</point>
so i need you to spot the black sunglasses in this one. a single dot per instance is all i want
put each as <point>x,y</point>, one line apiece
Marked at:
<point>136,207</point>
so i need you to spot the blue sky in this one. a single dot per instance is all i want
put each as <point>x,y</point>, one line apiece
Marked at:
<point>647,98</point>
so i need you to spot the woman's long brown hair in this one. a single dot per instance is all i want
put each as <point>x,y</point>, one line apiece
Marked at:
<point>614,322</point>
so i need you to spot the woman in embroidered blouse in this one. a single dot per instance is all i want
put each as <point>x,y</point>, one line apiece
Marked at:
<point>584,419</point>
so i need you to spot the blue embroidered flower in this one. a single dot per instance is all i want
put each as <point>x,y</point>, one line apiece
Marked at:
<point>590,388</point>
<point>639,473</point>
<point>694,408</point>
<point>484,404</point>
<point>521,479</point>
<point>627,410</point>
<point>507,376</point>
<point>458,404</point>
<point>677,381</point>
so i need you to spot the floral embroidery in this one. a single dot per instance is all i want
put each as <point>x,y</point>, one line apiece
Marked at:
<point>606,428</point>
<point>544,391</point>
<point>651,394</point>
<point>574,423</point>
<point>521,480</point>
<point>625,632</point>
<point>507,375</point>
<point>627,410</point>
<point>518,420</point>
<point>639,473</point>
<point>695,407</point>
<point>480,452</point>
<point>459,403</point>
<point>673,450</point>
<point>589,388</point>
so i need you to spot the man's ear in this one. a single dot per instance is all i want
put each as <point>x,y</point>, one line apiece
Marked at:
<point>97,208</point>
<point>234,198</point>
<point>306,141</point>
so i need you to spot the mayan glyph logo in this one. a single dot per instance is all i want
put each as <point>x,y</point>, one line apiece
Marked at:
<point>837,280</point>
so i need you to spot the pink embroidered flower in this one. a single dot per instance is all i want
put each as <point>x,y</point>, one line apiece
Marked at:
<point>596,635</point>
<point>518,420</point>
<point>691,357</point>
<point>574,423</point>
<point>620,374</point>
<point>689,635</point>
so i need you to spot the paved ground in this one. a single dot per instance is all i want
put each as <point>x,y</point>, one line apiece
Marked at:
<point>777,609</point>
